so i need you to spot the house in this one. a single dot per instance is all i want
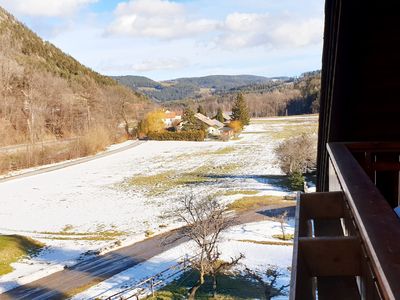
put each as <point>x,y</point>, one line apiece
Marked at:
<point>227,133</point>
<point>218,123</point>
<point>213,126</point>
<point>171,119</point>
<point>227,117</point>
<point>352,249</point>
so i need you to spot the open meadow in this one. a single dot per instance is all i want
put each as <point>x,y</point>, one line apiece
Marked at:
<point>100,205</point>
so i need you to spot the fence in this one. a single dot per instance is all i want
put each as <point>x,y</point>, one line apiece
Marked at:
<point>149,285</point>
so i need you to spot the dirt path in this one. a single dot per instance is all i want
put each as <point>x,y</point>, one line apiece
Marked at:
<point>70,163</point>
<point>60,285</point>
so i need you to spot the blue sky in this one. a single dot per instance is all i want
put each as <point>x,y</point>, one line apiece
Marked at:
<point>164,39</point>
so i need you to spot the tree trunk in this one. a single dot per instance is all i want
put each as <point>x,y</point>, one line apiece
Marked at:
<point>193,290</point>
<point>268,293</point>
<point>283,230</point>
<point>214,285</point>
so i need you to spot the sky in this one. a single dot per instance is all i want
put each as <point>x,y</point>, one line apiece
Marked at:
<point>166,39</point>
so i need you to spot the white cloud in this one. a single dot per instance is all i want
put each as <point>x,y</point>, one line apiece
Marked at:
<point>161,19</point>
<point>242,30</point>
<point>146,65</point>
<point>161,64</point>
<point>165,19</point>
<point>45,8</point>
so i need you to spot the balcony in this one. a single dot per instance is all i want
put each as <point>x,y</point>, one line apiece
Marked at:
<point>347,240</point>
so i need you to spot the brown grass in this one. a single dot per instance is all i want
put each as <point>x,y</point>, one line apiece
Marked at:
<point>247,203</point>
<point>238,192</point>
<point>272,243</point>
<point>287,237</point>
<point>84,236</point>
<point>91,143</point>
<point>160,183</point>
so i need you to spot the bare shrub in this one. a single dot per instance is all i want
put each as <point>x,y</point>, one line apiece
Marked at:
<point>95,140</point>
<point>297,154</point>
<point>282,219</point>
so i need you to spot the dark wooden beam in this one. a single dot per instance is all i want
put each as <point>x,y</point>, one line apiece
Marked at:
<point>378,225</point>
<point>301,284</point>
<point>331,256</point>
<point>329,205</point>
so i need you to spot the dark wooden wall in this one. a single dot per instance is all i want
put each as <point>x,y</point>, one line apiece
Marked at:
<point>360,98</point>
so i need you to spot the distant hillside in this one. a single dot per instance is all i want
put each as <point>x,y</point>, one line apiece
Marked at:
<point>189,88</point>
<point>135,82</point>
<point>47,94</point>
<point>265,96</point>
<point>221,82</point>
<point>275,97</point>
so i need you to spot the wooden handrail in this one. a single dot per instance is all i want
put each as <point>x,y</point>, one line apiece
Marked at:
<point>378,226</point>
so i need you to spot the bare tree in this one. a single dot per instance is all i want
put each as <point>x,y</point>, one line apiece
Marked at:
<point>282,219</point>
<point>205,220</point>
<point>269,280</point>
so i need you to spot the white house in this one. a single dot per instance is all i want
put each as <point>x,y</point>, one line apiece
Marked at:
<point>213,126</point>
<point>171,118</point>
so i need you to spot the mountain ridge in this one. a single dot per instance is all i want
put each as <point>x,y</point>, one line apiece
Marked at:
<point>191,87</point>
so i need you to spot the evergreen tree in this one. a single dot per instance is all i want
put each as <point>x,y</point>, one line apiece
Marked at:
<point>189,120</point>
<point>240,110</point>
<point>201,110</point>
<point>219,116</point>
<point>297,181</point>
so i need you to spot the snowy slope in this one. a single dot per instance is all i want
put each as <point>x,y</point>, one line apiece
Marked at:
<point>59,207</point>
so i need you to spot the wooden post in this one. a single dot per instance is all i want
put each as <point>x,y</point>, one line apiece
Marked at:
<point>152,287</point>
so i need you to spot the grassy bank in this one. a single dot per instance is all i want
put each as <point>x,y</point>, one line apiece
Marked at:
<point>15,247</point>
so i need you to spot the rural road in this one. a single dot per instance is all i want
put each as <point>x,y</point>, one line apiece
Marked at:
<point>61,284</point>
<point>71,163</point>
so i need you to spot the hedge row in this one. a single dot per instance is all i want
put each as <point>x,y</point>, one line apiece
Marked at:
<point>192,135</point>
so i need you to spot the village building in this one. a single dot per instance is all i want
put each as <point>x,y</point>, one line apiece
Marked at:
<point>352,250</point>
<point>218,123</point>
<point>171,119</point>
<point>227,133</point>
<point>227,117</point>
<point>213,126</point>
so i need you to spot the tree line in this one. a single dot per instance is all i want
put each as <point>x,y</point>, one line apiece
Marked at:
<point>300,96</point>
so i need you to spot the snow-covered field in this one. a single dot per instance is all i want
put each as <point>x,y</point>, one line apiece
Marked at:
<point>106,203</point>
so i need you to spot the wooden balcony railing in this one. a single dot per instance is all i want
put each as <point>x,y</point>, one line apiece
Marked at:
<point>347,240</point>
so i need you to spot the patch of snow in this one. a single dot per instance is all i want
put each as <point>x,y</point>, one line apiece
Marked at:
<point>257,256</point>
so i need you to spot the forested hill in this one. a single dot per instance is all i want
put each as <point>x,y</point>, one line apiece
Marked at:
<point>272,98</point>
<point>47,94</point>
<point>190,88</point>
<point>265,96</point>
